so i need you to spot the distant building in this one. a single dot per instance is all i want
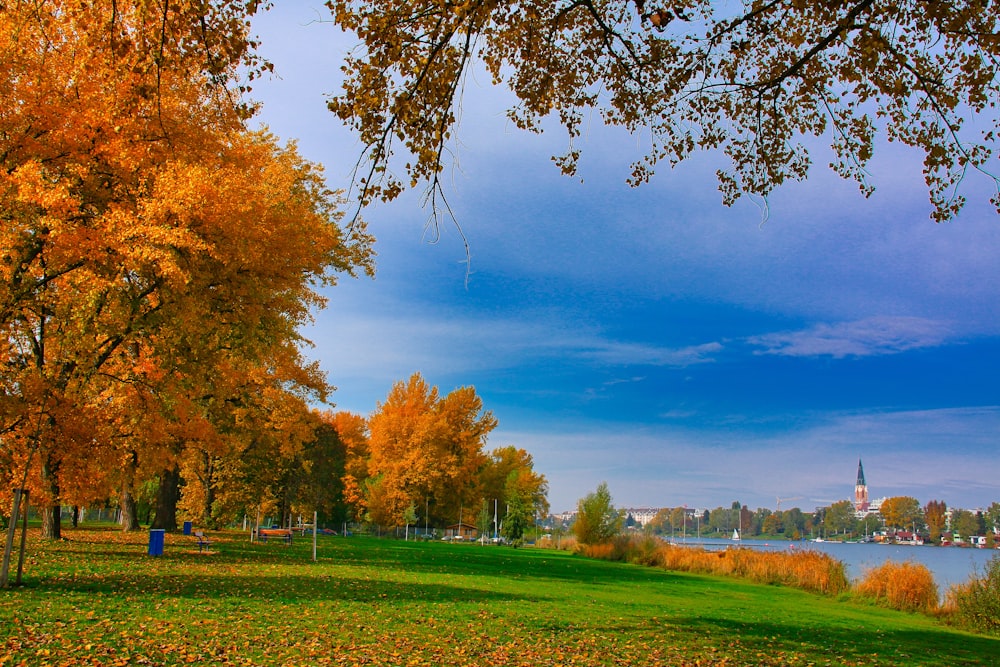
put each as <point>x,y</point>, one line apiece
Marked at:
<point>640,515</point>
<point>563,518</point>
<point>861,504</point>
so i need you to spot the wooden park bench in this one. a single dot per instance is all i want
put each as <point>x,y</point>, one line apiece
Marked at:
<point>284,533</point>
<point>202,541</point>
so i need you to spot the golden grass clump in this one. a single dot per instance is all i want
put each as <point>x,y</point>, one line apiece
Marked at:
<point>800,568</point>
<point>604,551</point>
<point>564,543</point>
<point>904,586</point>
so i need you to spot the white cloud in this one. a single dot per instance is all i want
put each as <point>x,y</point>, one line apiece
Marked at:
<point>929,454</point>
<point>627,354</point>
<point>861,338</point>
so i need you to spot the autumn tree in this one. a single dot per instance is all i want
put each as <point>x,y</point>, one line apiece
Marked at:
<point>156,252</point>
<point>597,520</point>
<point>755,81</point>
<point>509,480</point>
<point>425,450</point>
<point>352,431</point>
<point>936,519</point>
<point>660,523</point>
<point>772,524</point>
<point>901,511</point>
<point>678,518</point>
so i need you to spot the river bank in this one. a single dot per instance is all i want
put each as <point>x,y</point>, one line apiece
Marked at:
<point>949,565</point>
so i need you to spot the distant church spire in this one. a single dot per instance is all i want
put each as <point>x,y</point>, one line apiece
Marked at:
<point>861,490</point>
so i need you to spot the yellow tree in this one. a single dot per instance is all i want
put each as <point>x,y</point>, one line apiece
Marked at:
<point>935,514</point>
<point>147,234</point>
<point>510,473</point>
<point>901,512</point>
<point>352,429</point>
<point>425,451</point>
<point>753,80</point>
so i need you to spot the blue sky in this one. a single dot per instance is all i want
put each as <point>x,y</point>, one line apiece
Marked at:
<point>682,351</point>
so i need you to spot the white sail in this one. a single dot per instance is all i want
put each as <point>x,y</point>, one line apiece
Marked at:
<point>736,534</point>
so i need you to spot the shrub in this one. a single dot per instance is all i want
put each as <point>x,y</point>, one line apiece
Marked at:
<point>976,604</point>
<point>904,586</point>
<point>809,570</point>
<point>637,549</point>
<point>597,520</point>
<point>563,543</point>
<point>605,551</point>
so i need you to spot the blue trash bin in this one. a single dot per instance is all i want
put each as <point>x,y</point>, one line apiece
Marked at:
<point>156,537</point>
<point>187,527</point>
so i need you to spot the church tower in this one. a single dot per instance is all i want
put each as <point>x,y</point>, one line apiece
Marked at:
<point>861,491</point>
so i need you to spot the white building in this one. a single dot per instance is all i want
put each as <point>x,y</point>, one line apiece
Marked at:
<point>641,515</point>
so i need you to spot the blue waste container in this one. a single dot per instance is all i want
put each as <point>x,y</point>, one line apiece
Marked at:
<point>156,537</point>
<point>187,527</point>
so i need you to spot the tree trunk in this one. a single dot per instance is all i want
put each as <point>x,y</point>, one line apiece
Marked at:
<point>130,515</point>
<point>209,473</point>
<point>52,513</point>
<point>129,505</point>
<point>52,522</point>
<point>76,516</point>
<point>166,500</point>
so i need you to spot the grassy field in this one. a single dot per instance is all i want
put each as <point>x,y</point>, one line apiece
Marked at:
<point>97,598</point>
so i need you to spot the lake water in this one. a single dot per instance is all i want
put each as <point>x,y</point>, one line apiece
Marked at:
<point>949,565</point>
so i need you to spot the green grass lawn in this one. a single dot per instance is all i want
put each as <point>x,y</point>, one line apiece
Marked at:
<point>97,598</point>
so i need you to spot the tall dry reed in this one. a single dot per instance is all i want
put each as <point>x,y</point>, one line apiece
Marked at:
<point>801,568</point>
<point>563,543</point>
<point>904,586</point>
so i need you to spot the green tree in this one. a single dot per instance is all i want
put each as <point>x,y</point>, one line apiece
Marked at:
<point>796,523</point>
<point>516,521</point>
<point>964,524</point>
<point>772,524</point>
<point>721,520</point>
<point>485,518</point>
<point>870,524</point>
<point>750,81</point>
<point>839,518</point>
<point>409,517</point>
<point>660,523</point>
<point>993,517</point>
<point>597,520</point>
<point>508,472</point>
<point>678,519</point>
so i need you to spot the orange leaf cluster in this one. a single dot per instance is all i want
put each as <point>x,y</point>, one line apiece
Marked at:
<point>158,258</point>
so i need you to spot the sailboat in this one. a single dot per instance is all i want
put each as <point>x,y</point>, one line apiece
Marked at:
<point>736,535</point>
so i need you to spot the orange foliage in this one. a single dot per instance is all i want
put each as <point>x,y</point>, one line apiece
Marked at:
<point>905,586</point>
<point>159,258</point>
<point>800,568</point>
<point>604,551</point>
<point>425,447</point>
<point>352,429</point>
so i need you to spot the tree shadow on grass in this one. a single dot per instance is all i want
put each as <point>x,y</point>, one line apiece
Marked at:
<point>927,647</point>
<point>494,561</point>
<point>279,587</point>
